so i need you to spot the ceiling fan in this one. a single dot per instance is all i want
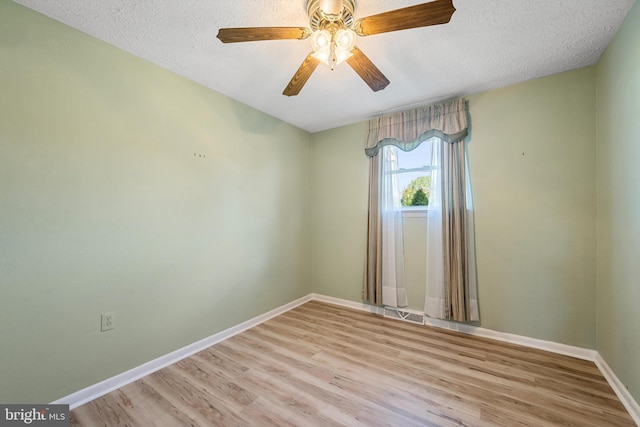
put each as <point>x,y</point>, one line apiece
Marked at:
<point>333,36</point>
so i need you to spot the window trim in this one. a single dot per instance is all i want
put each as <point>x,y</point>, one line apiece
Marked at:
<point>414,211</point>
<point>425,168</point>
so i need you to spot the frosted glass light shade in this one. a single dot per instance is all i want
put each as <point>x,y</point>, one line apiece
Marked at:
<point>320,40</point>
<point>345,39</point>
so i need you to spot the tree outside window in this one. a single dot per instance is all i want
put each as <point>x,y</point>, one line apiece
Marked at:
<point>417,192</point>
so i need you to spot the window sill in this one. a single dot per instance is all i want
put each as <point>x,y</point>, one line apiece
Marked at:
<point>414,213</point>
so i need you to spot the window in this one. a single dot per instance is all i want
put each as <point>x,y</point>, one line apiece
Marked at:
<point>413,174</point>
<point>451,291</point>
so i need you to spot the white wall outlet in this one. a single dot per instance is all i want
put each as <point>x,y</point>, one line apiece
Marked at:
<point>108,321</point>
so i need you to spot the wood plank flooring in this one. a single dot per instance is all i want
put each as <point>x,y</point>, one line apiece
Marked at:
<point>323,365</point>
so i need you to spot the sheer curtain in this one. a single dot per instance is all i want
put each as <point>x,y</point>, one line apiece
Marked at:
<point>451,273</point>
<point>394,292</point>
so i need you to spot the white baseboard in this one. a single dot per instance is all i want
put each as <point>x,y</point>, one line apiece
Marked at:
<point>554,347</point>
<point>100,389</point>
<point>349,304</point>
<point>621,391</point>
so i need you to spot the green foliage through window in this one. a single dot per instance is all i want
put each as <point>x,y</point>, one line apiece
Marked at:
<point>420,198</point>
<point>417,192</point>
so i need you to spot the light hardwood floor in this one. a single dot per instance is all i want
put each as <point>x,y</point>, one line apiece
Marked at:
<point>323,365</point>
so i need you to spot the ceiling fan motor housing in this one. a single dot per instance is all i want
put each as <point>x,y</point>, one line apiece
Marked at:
<point>318,20</point>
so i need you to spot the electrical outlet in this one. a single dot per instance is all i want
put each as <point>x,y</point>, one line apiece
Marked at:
<point>108,321</point>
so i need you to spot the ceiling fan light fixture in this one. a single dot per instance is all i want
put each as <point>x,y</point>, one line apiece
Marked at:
<point>345,39</point>
<point>320,40</point>
<point>341,55</point>
<point>332,49</point>
<point>322,56</point>
<point>321,45</point>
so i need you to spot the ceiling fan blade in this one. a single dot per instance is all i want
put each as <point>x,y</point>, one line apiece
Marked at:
<point>252,34</point>
<point>301,76</point>
<point>421,15</point>
<point>367,70</point>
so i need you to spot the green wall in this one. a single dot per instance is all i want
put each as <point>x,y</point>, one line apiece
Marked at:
<point>126,188</point>
<point>339,184</point>
<point>532,162</point>
<point>618,153</point>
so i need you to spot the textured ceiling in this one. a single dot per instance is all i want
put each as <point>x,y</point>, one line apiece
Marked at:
<point>487,44</point>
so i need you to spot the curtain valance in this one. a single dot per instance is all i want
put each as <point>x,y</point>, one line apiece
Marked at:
<point>406,130</point>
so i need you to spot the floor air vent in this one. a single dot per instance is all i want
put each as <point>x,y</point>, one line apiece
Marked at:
<point>404,314</point>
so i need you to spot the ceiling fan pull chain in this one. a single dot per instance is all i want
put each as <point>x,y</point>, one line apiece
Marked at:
<point>333,60</point>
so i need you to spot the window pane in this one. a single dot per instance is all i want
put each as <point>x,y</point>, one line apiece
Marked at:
<point>414,184</point>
